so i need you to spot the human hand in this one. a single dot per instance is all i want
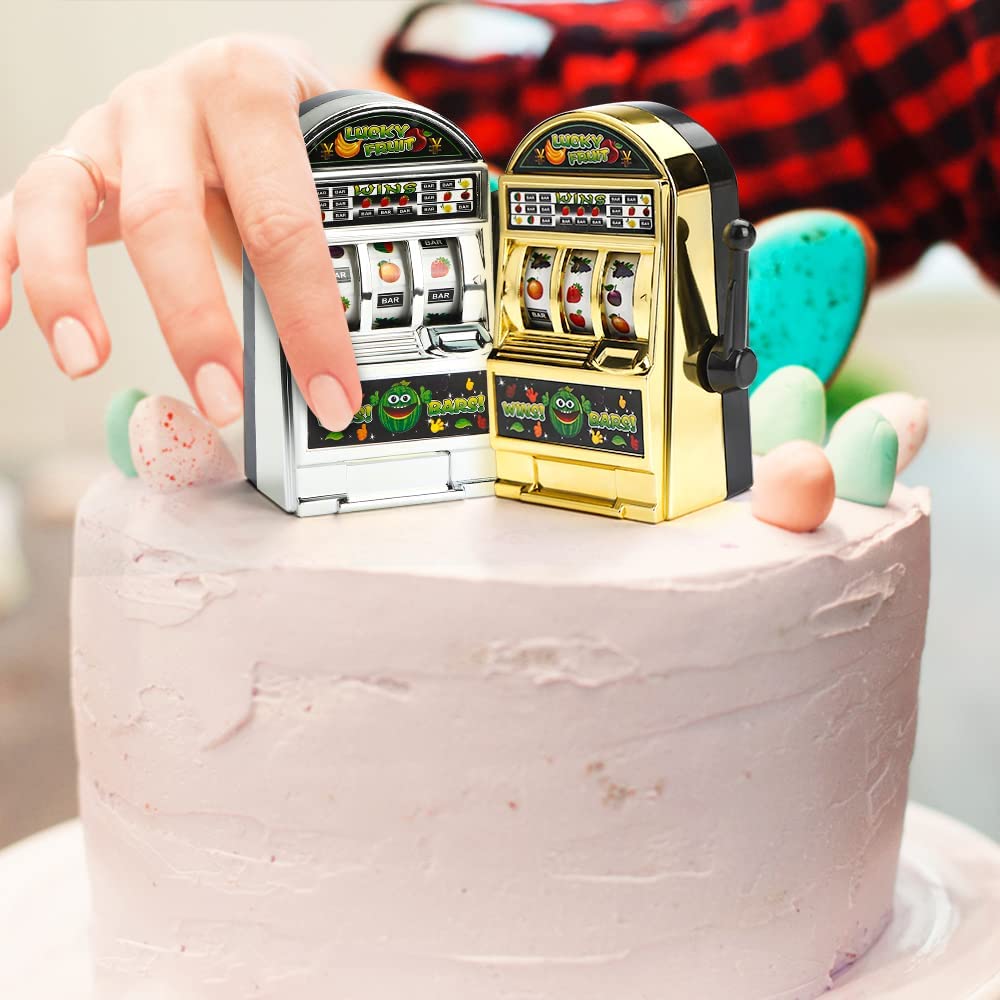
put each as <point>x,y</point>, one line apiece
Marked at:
<point>212,130</point>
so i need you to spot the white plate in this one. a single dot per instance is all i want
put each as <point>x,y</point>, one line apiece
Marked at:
<point>943,942</point>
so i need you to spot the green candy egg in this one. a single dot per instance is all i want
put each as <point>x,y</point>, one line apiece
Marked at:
<point>810,271</point>
<point>116,418</point>
<point>863,448</point>
<point>789,406</point>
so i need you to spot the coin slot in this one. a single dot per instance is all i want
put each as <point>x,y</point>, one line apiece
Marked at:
<point>441,264</point>
<point>345,267</point>
<point>536,287</point>
<point>614,358</point>
<point>618,295</point>
<point>575,298</point>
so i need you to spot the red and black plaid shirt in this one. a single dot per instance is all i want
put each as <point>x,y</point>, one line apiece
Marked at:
<point>887,109</point>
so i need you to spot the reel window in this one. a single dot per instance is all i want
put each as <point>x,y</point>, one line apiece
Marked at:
<point>579,268</point>
<point>618,295</point>
<point>536,287</point>
<point>345,267</point>
<point>441,266</point>
<point>392,284</point>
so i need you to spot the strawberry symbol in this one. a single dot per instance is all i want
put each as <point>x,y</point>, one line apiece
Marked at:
<point>383,247</point>
<point>578,319</point>
<point>532,394</point>
<point>634,442</point>
<point>511,389</point>
<point>440,267</point>
<point>574,293</point>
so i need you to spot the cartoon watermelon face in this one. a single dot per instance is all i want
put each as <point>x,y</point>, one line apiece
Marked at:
<point>399,408</point>
<point>565,413</point>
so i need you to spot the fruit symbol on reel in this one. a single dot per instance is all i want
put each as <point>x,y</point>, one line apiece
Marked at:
<point>345,269</point>
<point>577,283</point>
<point>392,297</point>
<point>441,261</point>
<point>617,295</point>
<point>537,287</point>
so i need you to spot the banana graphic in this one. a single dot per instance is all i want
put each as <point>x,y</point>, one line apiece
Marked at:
<point>553,155</point>
<point>346,150</point>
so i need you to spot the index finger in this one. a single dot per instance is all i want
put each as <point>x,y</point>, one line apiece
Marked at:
<point>261,158</point>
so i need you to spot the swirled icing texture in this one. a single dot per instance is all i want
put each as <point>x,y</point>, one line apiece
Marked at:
<point>483,751</point>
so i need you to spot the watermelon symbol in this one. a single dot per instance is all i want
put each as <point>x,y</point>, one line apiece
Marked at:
<point>566,413</point>
<point>400,408</point>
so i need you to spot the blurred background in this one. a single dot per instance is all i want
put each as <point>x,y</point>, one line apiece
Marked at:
<point>930,333</point>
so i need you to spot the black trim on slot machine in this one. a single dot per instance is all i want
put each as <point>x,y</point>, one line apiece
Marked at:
<point>730,290</point>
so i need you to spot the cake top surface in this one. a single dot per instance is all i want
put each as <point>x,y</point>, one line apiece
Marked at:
<point>231,527</point>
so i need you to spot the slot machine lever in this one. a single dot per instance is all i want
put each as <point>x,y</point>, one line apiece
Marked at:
<point>730,363</point>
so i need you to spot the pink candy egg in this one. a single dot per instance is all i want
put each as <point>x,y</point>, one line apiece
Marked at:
<point>909,418</point>
<point>793,487</point>
<point>174,447</point>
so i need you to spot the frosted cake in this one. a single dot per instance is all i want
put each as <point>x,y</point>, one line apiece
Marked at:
<point>483,750</point>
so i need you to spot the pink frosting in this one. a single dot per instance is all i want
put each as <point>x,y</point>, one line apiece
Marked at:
<point>485,751</point>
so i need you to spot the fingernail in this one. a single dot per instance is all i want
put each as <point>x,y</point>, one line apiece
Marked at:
<point>328,400</point>
<point>74,347</point>
<point>218,393</point>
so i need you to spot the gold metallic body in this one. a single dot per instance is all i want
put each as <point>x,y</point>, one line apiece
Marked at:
<point>684,467</point>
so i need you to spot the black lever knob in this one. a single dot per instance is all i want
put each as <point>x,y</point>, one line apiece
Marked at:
<point>731,371</point>
<point>739,235</point>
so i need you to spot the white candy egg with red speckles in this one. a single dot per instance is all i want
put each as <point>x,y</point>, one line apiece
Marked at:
<point>174,447</point>
<point>908,416</point>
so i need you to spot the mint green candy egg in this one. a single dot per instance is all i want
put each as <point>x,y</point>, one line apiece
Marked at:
<point>863,449</point>
<point>789,406</point>
<point>116,418</point>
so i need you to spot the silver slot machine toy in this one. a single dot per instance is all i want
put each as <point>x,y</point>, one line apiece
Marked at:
<point>405,200</point>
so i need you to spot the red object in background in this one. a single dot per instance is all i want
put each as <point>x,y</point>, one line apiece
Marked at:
<point>887,109</point>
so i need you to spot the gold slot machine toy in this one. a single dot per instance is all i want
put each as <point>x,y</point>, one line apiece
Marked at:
<point>619,373</point>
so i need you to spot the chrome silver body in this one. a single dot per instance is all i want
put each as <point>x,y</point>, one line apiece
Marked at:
<point>306,481</point>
